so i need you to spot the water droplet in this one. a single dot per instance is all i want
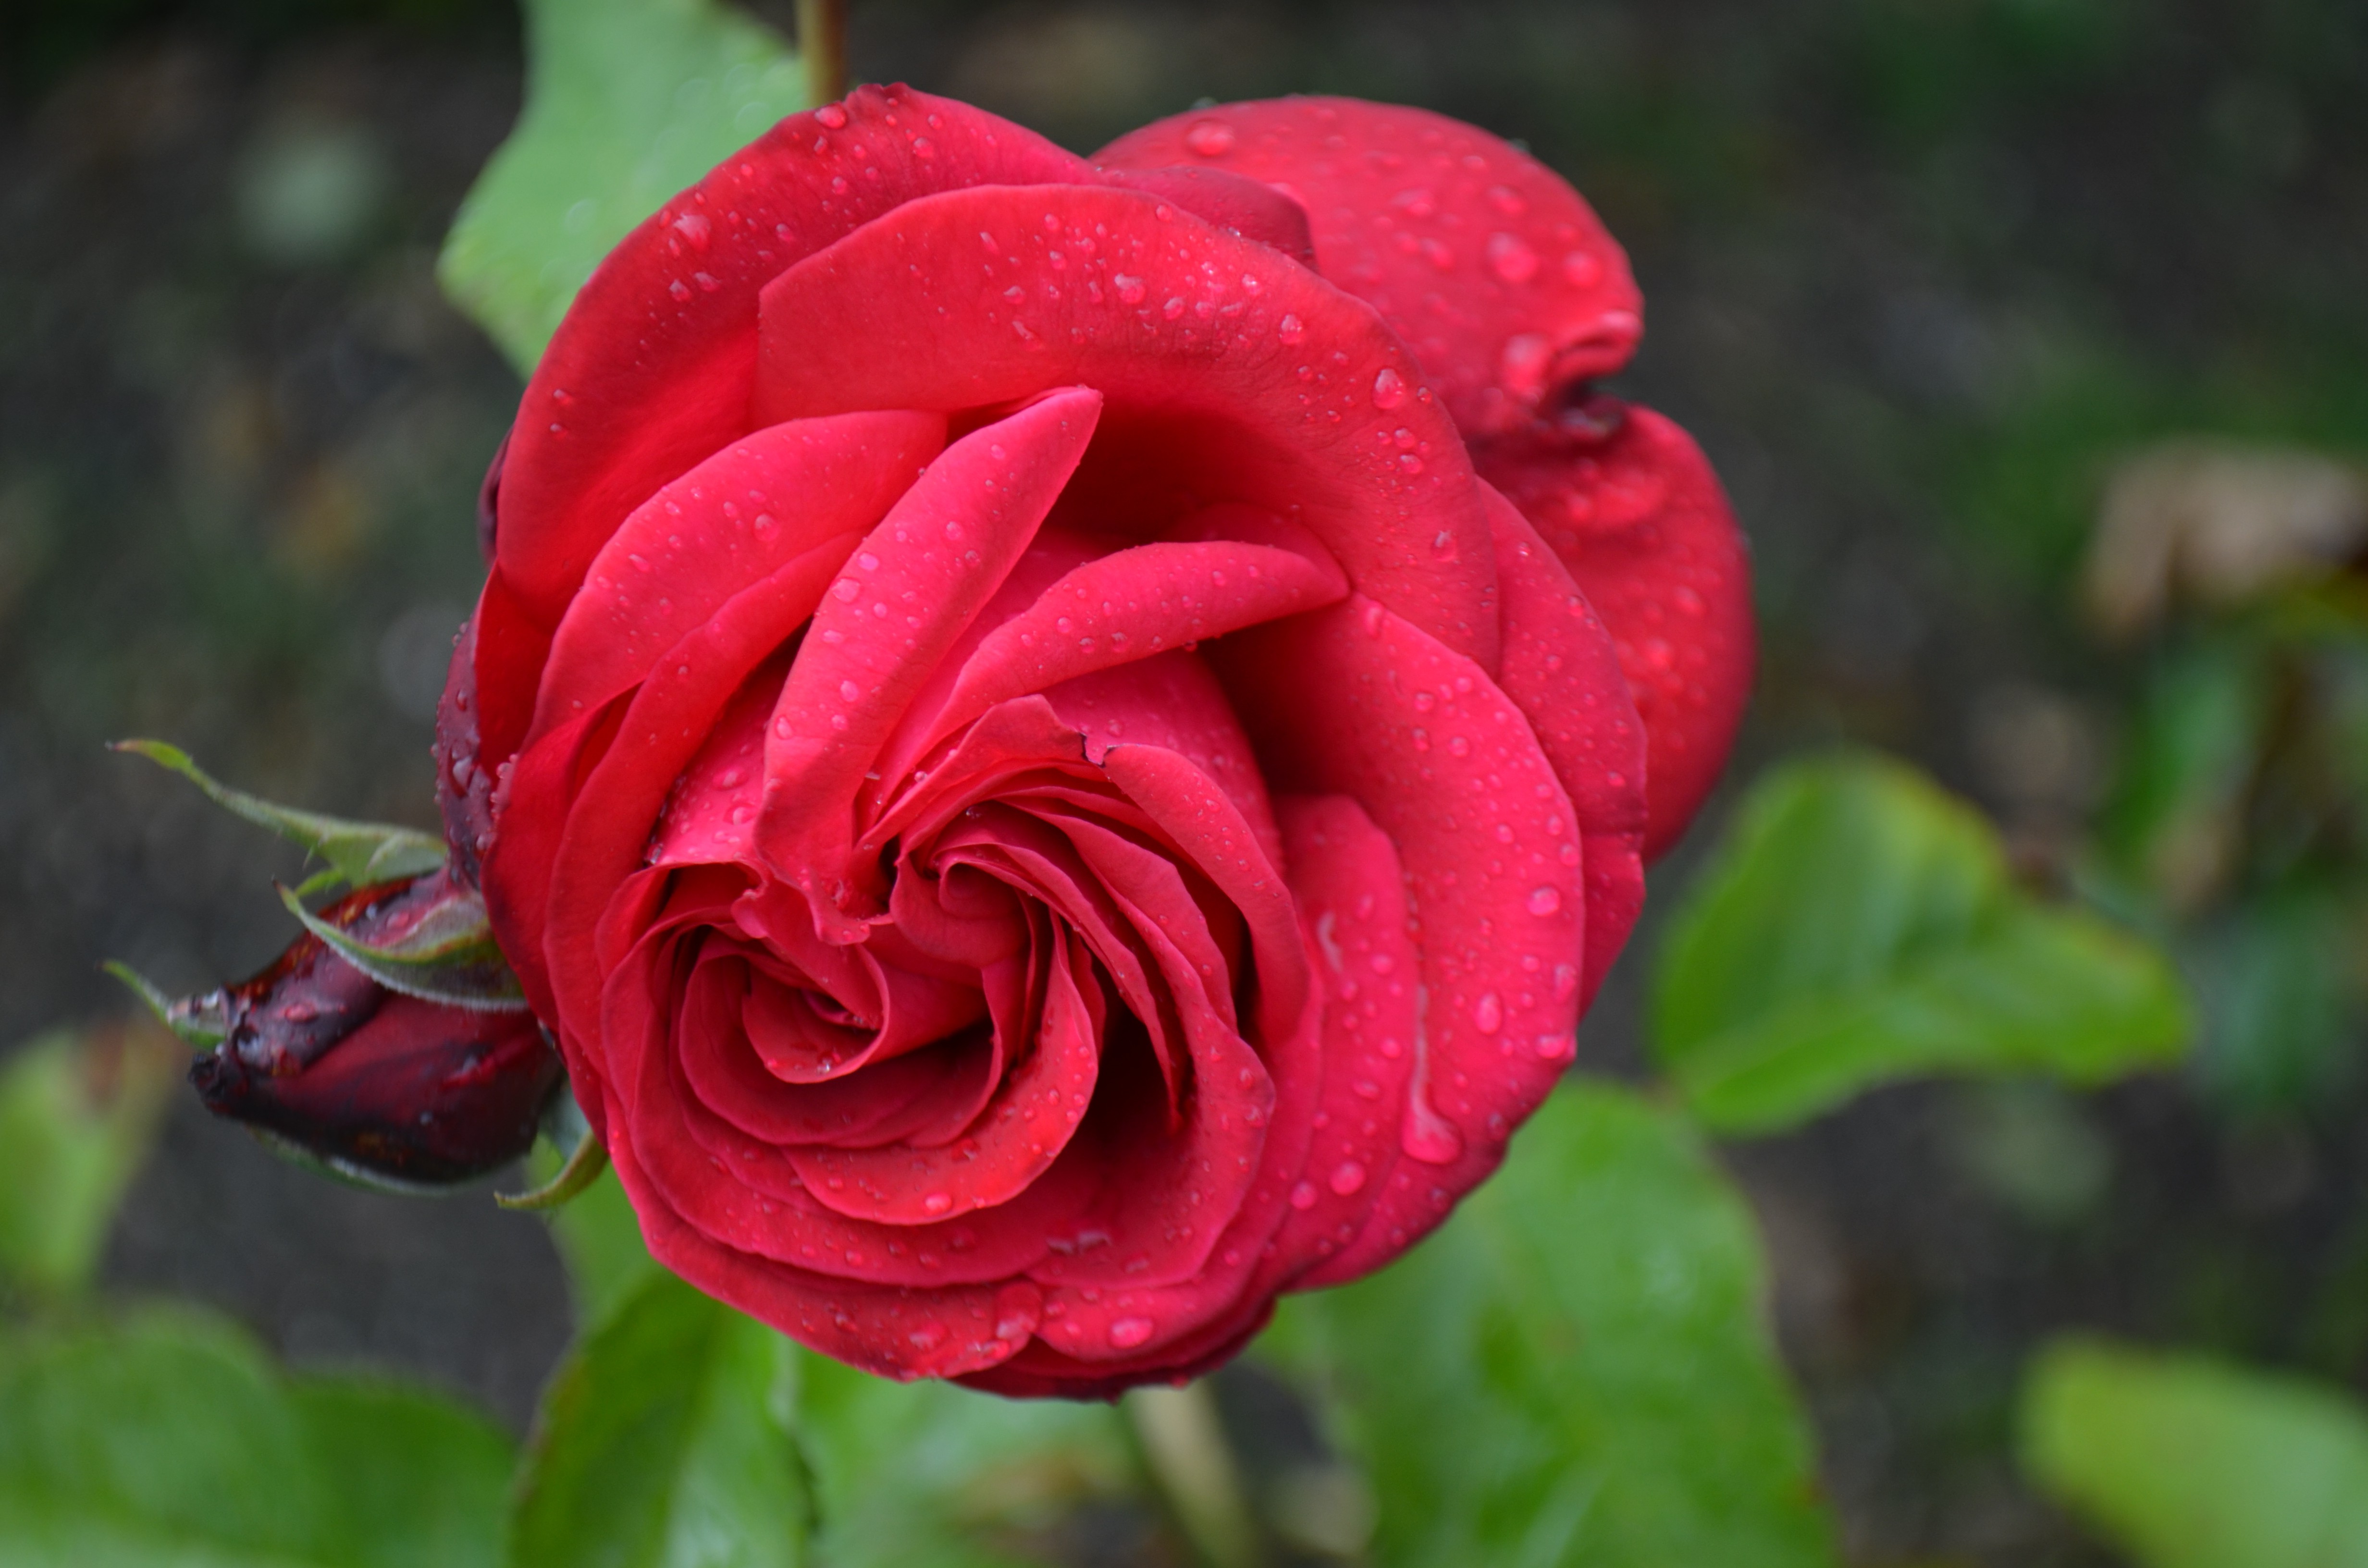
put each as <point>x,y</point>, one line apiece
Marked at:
<point>831,115</point>
<point>1510,259</point>
<point>1210,138</point>
<point>937,1203</point>
<point>1290,329</point>
<point>1426,1135</point>
<point>1565,982</point>
<point>1303,1197</point>
<point>922,148</point>
<point>695,229</point>
<point>926,1335</point>
<point>1409,463</point>
<point>1389,388</point>
<point>1581,268</point>
<point>1347,1176</point>
<point>1173,308</point>
<point>1127,1333</point>
<point>1544,900</point>
<point>845,590</point>
<point>1488,1014</point>
<point>848,692</point>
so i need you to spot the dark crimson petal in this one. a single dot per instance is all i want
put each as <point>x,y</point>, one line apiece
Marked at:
<point>650,372</point>
<point>1489,265</point>
<point>1640,520</point>
<point>324,1057</point>
<point>1197,340</point>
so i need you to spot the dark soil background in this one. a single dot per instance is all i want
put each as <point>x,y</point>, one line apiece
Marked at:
<point>1917,272</point>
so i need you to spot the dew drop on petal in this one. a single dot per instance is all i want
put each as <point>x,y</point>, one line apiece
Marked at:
<point>1544,900</point>
<point>1127,1333</point>
<point>1389,388</point>
<point>1347,1176</point>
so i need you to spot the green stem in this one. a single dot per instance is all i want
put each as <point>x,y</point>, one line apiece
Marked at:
<point>1184,1445</point>
<point>822,46</point>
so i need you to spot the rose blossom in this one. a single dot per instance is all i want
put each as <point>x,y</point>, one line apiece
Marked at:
<point>1045,800</point>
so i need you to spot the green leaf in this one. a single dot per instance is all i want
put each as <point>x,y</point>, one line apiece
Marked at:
<point>598,1236</point>
<point>360,853</point>
<point>2189,1463</point>
<point>2174,821</point>
<point>933,1475</point>
<point>166,1440</point>
<point>1575,1369</point>
<point>2280,980</point>
<point>664,1442</point>
<point>78,1116</point>
<point>421,1482</point>
<point>449,957</point>
<point>1859,925</point>
<point>627,102</point>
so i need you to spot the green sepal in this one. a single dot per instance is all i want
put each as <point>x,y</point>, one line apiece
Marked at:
<point>202,1021</point>
<point>350,1174</point>
<point>587,1158</point>
<point>449,957</point>
<point>359,853</point>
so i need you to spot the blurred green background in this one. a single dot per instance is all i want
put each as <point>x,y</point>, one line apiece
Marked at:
<point>1922,275</point>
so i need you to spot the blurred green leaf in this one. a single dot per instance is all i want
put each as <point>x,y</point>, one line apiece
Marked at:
<point>599,1237</point>
<point>2175,824</point>
<point>2188,1463</point>
<point>931,1475</point>
<point>1575,1369</point>
<point>167,1439</point>
<point>360,853</point>
<point>664,1441</point>
<point>77,1115</point>
<point>1859,925</point>
<point>627,102</point>
<point>2278,981</point>
<point>421,1482</point>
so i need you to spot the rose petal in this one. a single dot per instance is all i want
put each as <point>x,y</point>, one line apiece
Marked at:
<point>1641,522</point>
<point>807,486</point>
<point>1561,671</point>
<point>1448,767</point>
<point>1243,207</point>
<point>1196,337</point>
<point>914,584</point>
<point>650,369</point>
<point>1492,267</point>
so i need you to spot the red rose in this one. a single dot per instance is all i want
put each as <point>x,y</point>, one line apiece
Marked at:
<point>1045,802</point>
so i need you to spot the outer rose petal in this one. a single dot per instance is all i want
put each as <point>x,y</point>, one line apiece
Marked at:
<point>1640,520</point>
<point>1448,767</point>
<point>1194,337</point>
<point>650,372</point>
<point>1562,672</point>
<point>1498,275</point>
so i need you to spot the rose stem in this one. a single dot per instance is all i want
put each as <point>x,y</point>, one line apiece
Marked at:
<point>822,45</point>
<point>1184,1446</point>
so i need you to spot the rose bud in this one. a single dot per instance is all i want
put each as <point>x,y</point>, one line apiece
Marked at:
<point>387,1087</point>
<point>1063,742</point>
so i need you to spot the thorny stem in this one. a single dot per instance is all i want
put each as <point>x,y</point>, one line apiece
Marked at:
<point>1185,1449</point>
<point>822,46</point>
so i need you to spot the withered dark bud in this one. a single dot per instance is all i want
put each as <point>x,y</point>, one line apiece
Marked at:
<point>377,1084</point>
